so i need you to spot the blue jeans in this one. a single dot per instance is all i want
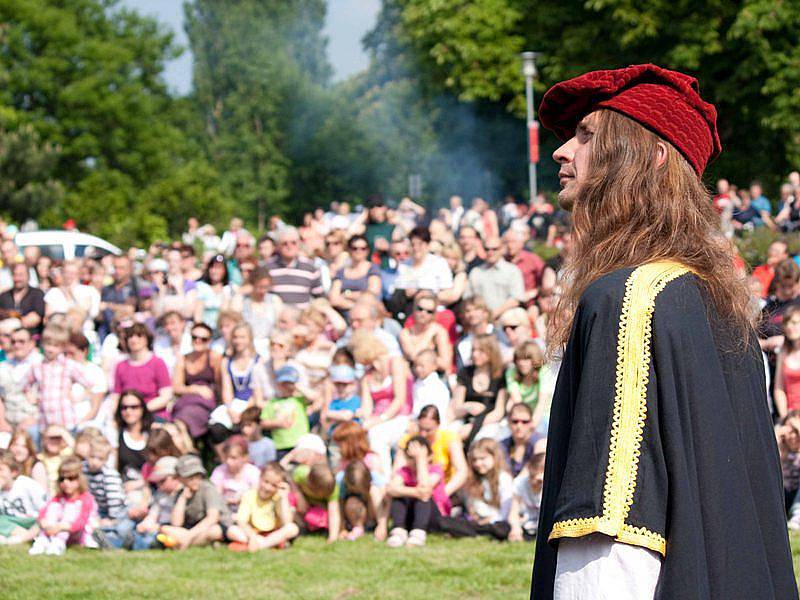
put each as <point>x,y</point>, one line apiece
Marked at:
<point>143,541</point>
<point>120,532</point>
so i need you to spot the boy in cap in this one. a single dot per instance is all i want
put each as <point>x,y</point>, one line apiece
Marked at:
<point>200,515</point>
<point>165,477</point>
<point>662,477</point>
<point>344,403</point>
<point>285,415</point>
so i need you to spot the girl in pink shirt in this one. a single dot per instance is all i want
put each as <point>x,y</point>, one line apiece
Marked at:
<point>69,517</point>
<point>237,474</point>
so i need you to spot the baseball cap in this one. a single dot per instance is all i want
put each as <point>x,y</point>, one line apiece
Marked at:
<point>311,441</point>
<point>166,466</point>
<point>342,374</point>
<point>287,374</point>
<point>188,465</point>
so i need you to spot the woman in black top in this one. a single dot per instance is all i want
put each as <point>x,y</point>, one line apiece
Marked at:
<point>133,423</point>
<point>480,397</point>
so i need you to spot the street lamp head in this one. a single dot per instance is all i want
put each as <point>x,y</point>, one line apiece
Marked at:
<point>529,63</point>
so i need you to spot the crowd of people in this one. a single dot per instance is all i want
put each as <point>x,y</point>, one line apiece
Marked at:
<point>379,369</point>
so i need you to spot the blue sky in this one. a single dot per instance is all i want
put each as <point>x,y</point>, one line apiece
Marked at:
<point>347,22</point>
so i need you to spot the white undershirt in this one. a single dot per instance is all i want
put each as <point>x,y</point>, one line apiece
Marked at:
<point>599,568</point>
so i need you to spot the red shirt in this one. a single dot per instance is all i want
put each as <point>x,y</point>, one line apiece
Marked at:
<point>532,267</point>
<point>764,273</point>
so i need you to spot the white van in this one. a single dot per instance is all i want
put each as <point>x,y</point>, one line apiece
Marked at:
<point>66,245</point>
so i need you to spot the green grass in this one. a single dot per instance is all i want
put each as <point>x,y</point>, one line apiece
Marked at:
<point>309,569</point>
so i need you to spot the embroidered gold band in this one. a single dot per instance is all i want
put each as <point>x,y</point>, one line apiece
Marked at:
<point>629,412</point>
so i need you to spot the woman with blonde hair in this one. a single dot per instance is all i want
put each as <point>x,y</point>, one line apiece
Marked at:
<point>386,400</point>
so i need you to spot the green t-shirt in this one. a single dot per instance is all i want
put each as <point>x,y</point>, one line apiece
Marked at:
<point>373,231</point>
<point>528,393</point>
<point>286,439</point>
<point>300,477</point>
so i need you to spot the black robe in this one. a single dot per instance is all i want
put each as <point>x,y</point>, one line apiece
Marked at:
<point>660,437</point>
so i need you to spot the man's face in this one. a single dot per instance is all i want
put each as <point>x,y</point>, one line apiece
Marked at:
<point>419,249</point>
<point>513,244</point>
<point>174,326</point>
<point>573,156</point>
<point>19,276</point>
<point>122,270</point>
<point>289,246</point>
<point>466,239</point>
<point>361,318</point>
<point>494,251</point>
<point>377,214</point>
<point>755,191</point>
<point>265,249</point>
<point>21,344</point>
<point>777,253</point>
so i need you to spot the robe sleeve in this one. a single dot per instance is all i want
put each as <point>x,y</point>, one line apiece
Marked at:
<point>615,476</point>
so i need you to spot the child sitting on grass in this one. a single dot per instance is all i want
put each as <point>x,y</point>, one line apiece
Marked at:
<point>234,477</point>
<point>70,517</point>
<point>21,499</point>
<point>285,416</point>
<point>200,515</point>
<point>418,496</point>
<point>524,515</point>
<point>265,516</point>
<point>318,498</point>
<point>260,449</point>
<point>165,477</point>
<point>105,484</point>
<point>489,492</point>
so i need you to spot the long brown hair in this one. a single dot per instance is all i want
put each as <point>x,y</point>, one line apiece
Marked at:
<point>628,213</point>
<point>474,486</point>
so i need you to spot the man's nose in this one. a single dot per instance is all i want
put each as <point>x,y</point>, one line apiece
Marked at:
<point>566,152</point>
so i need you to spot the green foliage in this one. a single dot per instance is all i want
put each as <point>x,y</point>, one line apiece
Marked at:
<point>745,53</point>
<point>94,133</point>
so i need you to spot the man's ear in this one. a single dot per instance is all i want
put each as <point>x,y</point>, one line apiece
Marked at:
<point>661,154</point>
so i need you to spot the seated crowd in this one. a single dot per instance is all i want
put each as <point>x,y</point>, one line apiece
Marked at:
<point>376,371</point>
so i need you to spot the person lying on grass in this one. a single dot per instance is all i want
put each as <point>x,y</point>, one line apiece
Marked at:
<point>200,516</point>
<point>265,516</point>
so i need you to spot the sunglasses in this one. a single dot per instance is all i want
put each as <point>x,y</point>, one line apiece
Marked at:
<point>67,478</point>
<point>359,248</point>
<point>429,311</point>
<point>511,327</point>
<point>200,338</point>
<point>131,407</point>
<point>520,421</point>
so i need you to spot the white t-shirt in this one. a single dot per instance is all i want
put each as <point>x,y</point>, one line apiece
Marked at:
<point>433,274</point>
<point>431,390</point>
<point>80,395</point>
<point>529,501</point>
<point>24,500</point>
<point>482,508</point>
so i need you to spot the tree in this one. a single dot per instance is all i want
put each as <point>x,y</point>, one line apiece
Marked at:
<point>84,81</point>
<point>745,53</point>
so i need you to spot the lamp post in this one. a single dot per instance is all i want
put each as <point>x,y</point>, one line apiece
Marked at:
<point>529,71</point>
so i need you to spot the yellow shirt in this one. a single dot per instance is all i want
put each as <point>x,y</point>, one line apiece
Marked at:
<point>261,515</point>
<point>440,450</point>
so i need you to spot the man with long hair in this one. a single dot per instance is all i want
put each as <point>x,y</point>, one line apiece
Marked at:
<point>662,477</point>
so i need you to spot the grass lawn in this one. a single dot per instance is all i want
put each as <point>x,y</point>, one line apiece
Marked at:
<point>309,569</point>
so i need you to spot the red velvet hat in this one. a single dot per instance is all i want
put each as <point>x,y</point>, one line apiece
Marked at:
<point>666,102</point>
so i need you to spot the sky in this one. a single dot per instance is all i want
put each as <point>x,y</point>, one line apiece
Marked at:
<point>347,22</point>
